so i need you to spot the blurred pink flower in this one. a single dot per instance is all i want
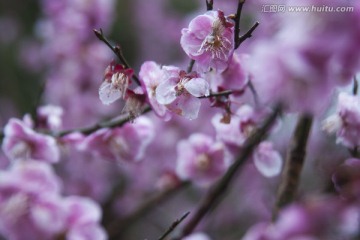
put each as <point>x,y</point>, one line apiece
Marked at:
<point>126,143</point>
<point>200,159</point>
<point>267,161</point>
<point>22,142</point>
<point>346,121</point>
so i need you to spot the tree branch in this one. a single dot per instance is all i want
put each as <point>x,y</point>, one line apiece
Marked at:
<point>173,226</point>
<point>116,122</point>
<point>222,93</point>
<point>237,23</point>
<point>117,228</point>
<point>356,86</point>
<point>117,50</point>
<point>209,5</point>
<point>219,189</point>
<point>294,163</point>
<point>247,35</point>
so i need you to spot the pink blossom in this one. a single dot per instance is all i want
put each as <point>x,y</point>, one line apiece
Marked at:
<point>346,121</point>
<point>22,142</point>
<point>197,236</point>
<point>209,40</point>
<point>200,159</point>
<point>126,143</point>
<point>267,160</point>
<point>242,124</point>
<point>180,91</point>
<point>83,219</point>
<point>151,75</point>
<point>49,117</point>
<point>115,84</point>
<point>346,178</point>
<point>29,201</point>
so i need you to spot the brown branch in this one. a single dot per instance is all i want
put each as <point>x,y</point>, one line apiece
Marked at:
<point>219,189</point>
<point>222,93</point>
<point>209,5</point>
<point>117,50</point>
<point>191,65</point>
<point>294,163</point>
<point>116,122</point>
<point>237,23</point>
<point>356,86</point>
<point>173,226</point>
<point>247,35</point>
<point>117,228</point>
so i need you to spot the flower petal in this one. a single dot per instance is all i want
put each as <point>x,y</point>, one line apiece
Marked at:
<point>198,87</point>
<point>108,94</point>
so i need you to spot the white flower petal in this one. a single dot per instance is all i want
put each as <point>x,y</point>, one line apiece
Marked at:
<point>198,87</point>
<point>165,92</point>
<point>108,94</point>
<point>267,161</point>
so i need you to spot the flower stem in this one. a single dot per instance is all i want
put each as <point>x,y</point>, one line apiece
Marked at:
<point>294,163</point>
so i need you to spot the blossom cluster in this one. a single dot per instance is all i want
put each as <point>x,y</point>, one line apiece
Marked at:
<point>223,123</point>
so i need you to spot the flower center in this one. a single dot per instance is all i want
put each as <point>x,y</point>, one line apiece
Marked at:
<point>215,44</point>
<point>180,88</point>
<point>120,82</point>
<point>202,162</point>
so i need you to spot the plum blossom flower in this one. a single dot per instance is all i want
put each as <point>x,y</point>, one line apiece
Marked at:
<point>126,143</point>
<point>326,218</point>
<point>83,217</point>
<point>200,159</point>
<point>31,206</point>
<point>115,84</point>
<point>242,124</point>
<point>29,201</point>
<point>151,75</point>
<point>267,161</point>
<point>346,121</point>
<point>209,40</point>
<point>49,117</point>
<point>180,91</point>
<point>22,142</point>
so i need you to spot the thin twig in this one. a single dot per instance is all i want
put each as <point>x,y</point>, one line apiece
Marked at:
<point>191,65</point>
<point>117,50</point>
<point>108,124</point>
<point>117,228</point>
<point>2,135</point>
<point>356,86</point>
<point>173,226</point>
<point>222,93</point>
<point>294,163</point>
<point>237,22</point>
<point>209,5</point>
<point>219,189</point>
<point>253,91</point>
<point>247,35</point>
